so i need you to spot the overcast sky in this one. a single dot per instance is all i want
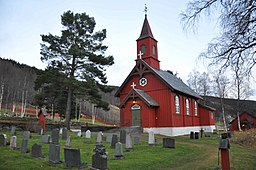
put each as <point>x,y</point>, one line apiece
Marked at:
<point>22,22</point>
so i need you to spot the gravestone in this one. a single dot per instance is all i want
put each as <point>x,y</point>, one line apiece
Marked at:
<point>99,157</point>
<point>136,140</point>
<point>108,137</point>
<point>72,157</point>
<point>54,153</point>
<point>55,136</point>
<point>119,151</point>
<point>79,133</point>
<point>13,142</point>
<point>26,135</point>
<point>64,133</point>
<point>122,136</point>
<point>151,138</point>
<point>3,139</point>
<point>128,142</point>
<point>40,131</point>
<point>114,140</point>
<point>88,134</point>
<point>36,151</point>
<point>207,134</point>
<point>201,132</point>
<point>196,135</point>
<point>192,136</point>
<point>168,143</point>
<point>24,145</point>
<point>13,130</point>
<point>46,139</point>
<point>68,142</point>
<point>61,129</point>
<point>99,137</point>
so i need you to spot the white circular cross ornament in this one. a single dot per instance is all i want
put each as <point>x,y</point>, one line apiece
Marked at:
<point>143,82</point>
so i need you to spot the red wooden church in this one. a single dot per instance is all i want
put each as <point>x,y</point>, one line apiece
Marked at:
<point>158,100</point>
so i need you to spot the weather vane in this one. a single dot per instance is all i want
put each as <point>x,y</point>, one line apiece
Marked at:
<point>146,9</point>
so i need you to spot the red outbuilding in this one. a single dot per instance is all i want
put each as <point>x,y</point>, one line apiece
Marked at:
<point>247,121</point>
<point>158,100</point>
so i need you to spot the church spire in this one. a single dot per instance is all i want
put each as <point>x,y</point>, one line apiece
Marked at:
<point>147,45</point>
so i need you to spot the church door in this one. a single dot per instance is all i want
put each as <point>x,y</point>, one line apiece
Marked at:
<point>136,120</point>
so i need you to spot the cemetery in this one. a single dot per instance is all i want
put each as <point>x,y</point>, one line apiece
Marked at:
<point>121,148</point>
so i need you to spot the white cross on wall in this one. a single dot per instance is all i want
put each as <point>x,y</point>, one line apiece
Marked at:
<point>140,54</point>
<point>133,85</point>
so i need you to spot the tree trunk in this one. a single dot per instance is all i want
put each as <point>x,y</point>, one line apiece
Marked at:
<point>68,109</point>
<point>1,95</point>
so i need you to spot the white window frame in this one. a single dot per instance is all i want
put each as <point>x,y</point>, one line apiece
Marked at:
<point>196,108</point>
<point>187,106</point>
<point>177,104</point>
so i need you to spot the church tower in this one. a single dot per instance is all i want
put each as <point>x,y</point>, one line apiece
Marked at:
<point>147,46</point>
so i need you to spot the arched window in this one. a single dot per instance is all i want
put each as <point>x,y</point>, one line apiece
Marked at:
<point>177,104</point>
<point>195,109</point>
<point>187,106</point>
<point>143,48</point>
<point>153,50</point>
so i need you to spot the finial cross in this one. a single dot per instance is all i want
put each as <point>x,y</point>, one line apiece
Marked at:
<point>140,54</point>
<point>133,85</point>
<point>146,9</point>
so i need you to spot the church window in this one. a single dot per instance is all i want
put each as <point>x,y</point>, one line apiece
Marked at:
<point>143,49</point>
<point>154,50</point>
<point>177,104</point>
<point>196,110</point>
<point>187,106</point>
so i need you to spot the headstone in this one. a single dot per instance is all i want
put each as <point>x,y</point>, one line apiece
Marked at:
<point>201,132</point>
<point>122,136</point>
<point>128,143</point>
<point>13,142</point>
<point>61,129</point>
<point>99,157</point>
<point>136,140</point>
<point>207,134</point>
<point>26,135</point>
<point>151,138</point>
<point>13,130</point>
<point>24,146</point>
<point>196,135</point>
<point>88,134</point>
<point>55,136</point>
<point>3,139</point>
<point>192,135</point>
<point>114,140</point>
<point>64,133</point>
<point>72,157</point>
<point>36,151</point>
<point>168,143</point>
<point>108,137</point>
<point>54,153</point>
<point>40,131</point>
<point>119,151</point>
<point>99,137</point>
<point>68,142</point>
<point>46,139</point>
<point>79,133</point>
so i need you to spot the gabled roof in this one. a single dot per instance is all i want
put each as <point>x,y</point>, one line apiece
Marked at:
<point>146,30</point>
<point>169,79</point>
<point>142,95</point>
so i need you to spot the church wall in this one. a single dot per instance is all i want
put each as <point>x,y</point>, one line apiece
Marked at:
<point>206,117</point>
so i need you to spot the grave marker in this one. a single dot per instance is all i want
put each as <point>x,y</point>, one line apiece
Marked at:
<point>72,157</point>
<point>99,137</point>
<point>3,139</point>
<point>26,135</point>
<point>88,134</point>
<point>114,140</point>
<point>13,130</point>
<point>123,136</point>
<point>36,151</point>
<point>168,143</point>
<point>192,136</point>
<point>64,133</point>
<point>54,153</point>
<point>151,138</point>
<point>99,157</point>
<point>24,146</point>
<point>136,140</point>
<point>55,136</point>
<point>79,133</point>
<point>68,142</point>
<point>196,135</point>
<point>128,143</point>
<point>119,151</point>
<point>13,142</point>
<point>46,139</point>
<point>108,137</point>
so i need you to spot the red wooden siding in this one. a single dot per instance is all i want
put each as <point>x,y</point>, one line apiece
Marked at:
<point>243,117</point>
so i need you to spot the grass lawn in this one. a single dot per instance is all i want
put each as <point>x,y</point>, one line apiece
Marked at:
<point>188,154</point>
